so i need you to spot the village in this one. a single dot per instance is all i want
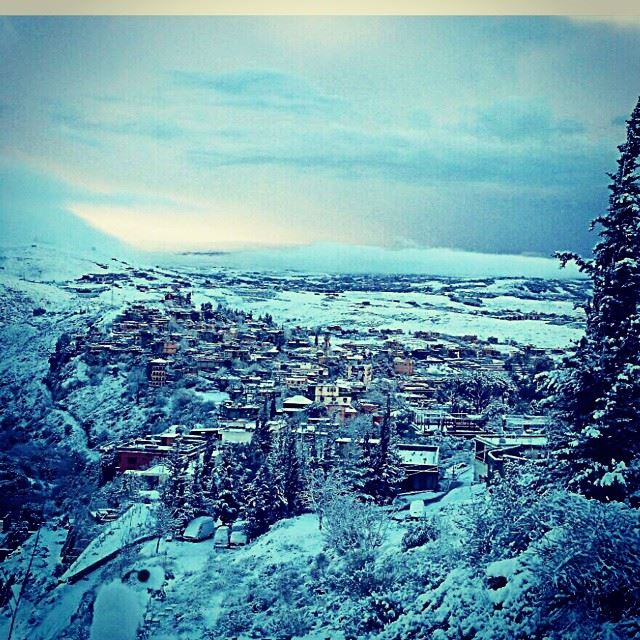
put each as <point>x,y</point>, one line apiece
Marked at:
<point>333,384</point>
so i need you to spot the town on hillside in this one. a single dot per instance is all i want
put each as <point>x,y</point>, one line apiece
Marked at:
<point>454,409</point>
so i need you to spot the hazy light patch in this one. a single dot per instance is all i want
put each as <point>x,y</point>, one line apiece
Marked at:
<point>159,229</point>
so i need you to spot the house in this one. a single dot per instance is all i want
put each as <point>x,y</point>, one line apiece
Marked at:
<point>240,434</point>
<point>240,411</point>
<point>151,478</point>
<point>421,465</point>
<point>403,366</point>
<point>493,451</point>
<point>169,347</point>
<point>342,410</point>
<point>142,453</point>
<point>332,393</point>
<point>294,404</point>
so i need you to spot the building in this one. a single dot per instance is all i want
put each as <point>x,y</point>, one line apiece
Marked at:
<point>493,451</point>
<point>158,372</point>
<point>332,393</point>
<point>403,366</point>
<point>294,404</point>
<point>142,453</point>
<point>341,410</point>
<point>421,465</point>
<point>170,348</point>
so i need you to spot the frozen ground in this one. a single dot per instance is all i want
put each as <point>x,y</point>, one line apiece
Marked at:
<point>189,585</point>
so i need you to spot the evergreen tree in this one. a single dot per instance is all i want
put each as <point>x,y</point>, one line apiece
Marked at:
<point>286,469</point>
<point>328,456</point>
<point>203,493</point>
<point>313,458</point>
<point>379,473</point>
<point>261,442</point>
<point>598,391</point>
<point>364,475</point>
<point>260,509</point>
<point>173,490</point>
<point>228,501</point>
<point>273,409</point>
<point>390,473</point>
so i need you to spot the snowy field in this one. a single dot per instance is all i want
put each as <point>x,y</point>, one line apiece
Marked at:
<point>451,306</point>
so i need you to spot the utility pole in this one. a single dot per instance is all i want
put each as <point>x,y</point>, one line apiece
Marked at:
<point>24,582</point>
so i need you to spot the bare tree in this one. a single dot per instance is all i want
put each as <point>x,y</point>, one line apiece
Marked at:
<point>353,526</point>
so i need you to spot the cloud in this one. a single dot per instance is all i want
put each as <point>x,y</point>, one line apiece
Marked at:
<point>514,142</point>
<point>433,156</point>
<point>340,258</point>
<point>259,89</point>
<point>159,228</point>
<point>74,121</point>
<point>516,118</point>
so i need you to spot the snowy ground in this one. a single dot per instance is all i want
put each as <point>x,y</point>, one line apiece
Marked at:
<point>41,274</point>
<point>188,584</point>
<point>32,277</point>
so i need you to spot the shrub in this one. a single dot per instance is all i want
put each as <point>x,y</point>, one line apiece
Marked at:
<point>419,533</point>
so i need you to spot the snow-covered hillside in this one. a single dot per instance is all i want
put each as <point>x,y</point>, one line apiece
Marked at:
<point>198,590</point>
<point>61,404</point>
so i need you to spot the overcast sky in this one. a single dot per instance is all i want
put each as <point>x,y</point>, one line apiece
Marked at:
<point>487,134</point>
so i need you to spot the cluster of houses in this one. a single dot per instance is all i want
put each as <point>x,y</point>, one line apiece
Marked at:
<point>318,379</point>
<point>315,380</point>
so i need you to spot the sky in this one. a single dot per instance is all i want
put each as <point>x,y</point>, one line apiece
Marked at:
<point>485,134</point>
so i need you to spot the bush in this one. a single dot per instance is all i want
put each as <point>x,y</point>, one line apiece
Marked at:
<point>589,563</point>
<point>419,533</point>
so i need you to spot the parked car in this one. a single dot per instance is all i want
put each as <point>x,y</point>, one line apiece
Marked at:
<point>222,537</point>
<point>199,529</point>
<point>238,536</point>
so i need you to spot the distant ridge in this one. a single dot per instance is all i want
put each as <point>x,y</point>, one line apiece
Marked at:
<point>203,253</point>
<point>340,258</point>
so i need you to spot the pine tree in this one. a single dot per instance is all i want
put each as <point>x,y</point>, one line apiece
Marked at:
<point>260,510</point>
<point>261,442</point>
<point>388,464</point>
<point>313,458</point>
<point>228,501</point>
<point>328,457</point>
<point>598,391</point>
<point>379,473</point>
<point>203,498</point>
<point>172,494</point>
<point>286,469</point>
<point>365,473</point>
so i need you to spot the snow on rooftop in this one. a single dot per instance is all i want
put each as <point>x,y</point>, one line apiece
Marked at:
<point>420,457</point>
<point>298,400</point>
<point>533,439</point>
<point>134,524</point>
